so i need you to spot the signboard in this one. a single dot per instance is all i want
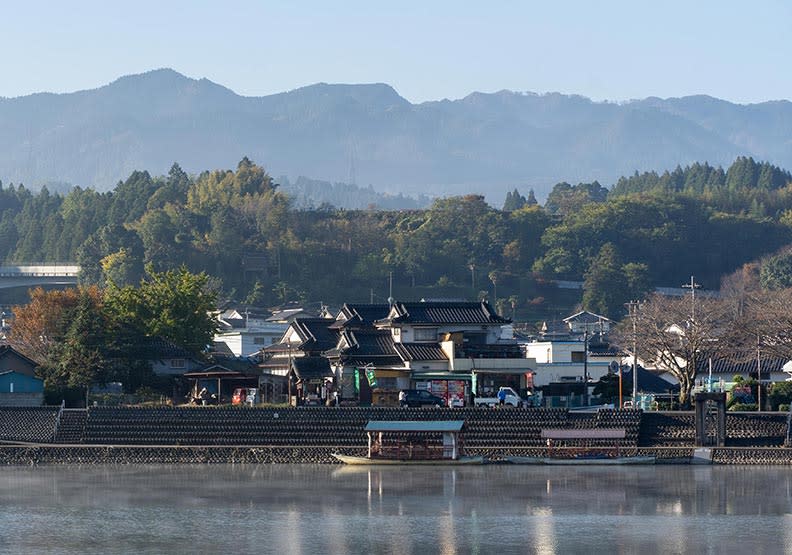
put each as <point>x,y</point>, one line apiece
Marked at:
<point>372,379</point>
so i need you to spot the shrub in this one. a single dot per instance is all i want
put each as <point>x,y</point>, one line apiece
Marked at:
<point>744,407</point>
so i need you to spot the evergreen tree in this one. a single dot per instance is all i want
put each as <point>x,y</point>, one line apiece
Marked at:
<point>605,287</point>
<point>514,201</point>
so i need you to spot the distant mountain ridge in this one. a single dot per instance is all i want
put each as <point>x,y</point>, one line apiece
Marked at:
<point>368,134</point>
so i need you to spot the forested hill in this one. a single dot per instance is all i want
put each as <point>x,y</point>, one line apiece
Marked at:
<point>239,227</point>
<point>368,134</point>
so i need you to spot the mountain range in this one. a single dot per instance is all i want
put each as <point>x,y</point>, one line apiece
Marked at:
<point>369,135</point>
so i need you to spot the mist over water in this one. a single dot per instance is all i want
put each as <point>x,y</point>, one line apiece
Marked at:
<point>306,509</point>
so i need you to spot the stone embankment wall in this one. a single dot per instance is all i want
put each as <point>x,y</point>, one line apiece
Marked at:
<point>311,435</point>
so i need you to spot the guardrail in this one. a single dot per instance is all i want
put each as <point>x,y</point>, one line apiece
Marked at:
<point>40,270</point>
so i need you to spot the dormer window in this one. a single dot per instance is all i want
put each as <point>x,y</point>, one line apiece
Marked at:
<point>425,334</point>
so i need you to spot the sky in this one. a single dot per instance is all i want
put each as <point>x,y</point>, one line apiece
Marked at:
<point>427,50</point>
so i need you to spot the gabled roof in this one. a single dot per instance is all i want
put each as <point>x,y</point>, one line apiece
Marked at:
<point>449,313</point>
<point>315,333</point>
<point>307,368</point>
<point>420,351</point>
<point>357,315</point>
<point>586,317</point>
<point>285,314</point>
<point>649,382</point>
<point>157,348</point>
<point>8,350</point>
<point>366,346</point>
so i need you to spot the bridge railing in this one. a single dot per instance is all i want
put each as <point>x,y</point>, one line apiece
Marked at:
<point>40,270</point>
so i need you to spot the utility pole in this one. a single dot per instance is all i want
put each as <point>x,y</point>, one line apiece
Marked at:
<point>692,286</point>
<point>585,367</point>
<point>758,374</point>
<point>633,308</point>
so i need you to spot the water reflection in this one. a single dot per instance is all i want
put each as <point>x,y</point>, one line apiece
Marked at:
<point>312,509</point>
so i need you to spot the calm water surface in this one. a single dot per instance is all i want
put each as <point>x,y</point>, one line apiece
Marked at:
<point>330,509</point>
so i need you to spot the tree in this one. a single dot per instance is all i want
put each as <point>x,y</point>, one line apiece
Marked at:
<point>776,272</point>
<point>66,333</point>
<point>175,305</point>
<point>667,334</point>
<point>605,289</point>
<point>514,201</point>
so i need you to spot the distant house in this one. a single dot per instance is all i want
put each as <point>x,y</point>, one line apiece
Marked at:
<point>13,360</point>
<point>586,321</point>
<point>169,359</point>
<point>245,331</point>
<point>19,385</point>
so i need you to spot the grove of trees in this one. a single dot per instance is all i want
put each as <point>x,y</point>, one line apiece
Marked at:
<point>245,234</point>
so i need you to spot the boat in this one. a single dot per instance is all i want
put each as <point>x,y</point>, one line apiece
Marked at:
<point>412,442</point>
<point>582,461</point>
<point>587,454</point>
<point>353,460</point>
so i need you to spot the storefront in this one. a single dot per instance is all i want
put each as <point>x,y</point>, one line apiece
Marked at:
<point>454,389</point>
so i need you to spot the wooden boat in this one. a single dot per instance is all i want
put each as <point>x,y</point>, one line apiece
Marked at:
<point>407,442</point>
<point>582,461</point>
<point>350,459</point>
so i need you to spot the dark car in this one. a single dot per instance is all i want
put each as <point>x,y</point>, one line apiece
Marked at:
<point>421,398</point>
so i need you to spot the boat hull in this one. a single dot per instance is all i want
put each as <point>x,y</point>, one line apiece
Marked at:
<point>350,459</point>
<point>582,462</point>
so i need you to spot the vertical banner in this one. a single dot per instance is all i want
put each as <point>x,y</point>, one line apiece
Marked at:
<point>372,379</point>
<point>357,381</point>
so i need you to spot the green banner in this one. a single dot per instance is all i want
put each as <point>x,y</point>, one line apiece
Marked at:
<point>372,379</point>
<point>357,381</point>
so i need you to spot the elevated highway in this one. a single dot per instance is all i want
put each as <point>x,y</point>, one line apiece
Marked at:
<point>31,275</point>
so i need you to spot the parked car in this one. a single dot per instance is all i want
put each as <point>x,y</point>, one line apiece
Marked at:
<point>422,398</point>
<point>511,399</point>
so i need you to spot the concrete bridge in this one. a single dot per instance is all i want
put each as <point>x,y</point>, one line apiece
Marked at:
<point>30,275</point>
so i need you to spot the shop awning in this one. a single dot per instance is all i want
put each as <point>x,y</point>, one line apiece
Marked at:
<point>440,376</point>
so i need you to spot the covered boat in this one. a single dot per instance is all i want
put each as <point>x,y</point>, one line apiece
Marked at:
<point>413,442</point>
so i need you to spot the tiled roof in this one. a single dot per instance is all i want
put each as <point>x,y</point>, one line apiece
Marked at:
<point>361,314</point>
<point>307,368</point>
<point>420,351</point>
<point>371,346</point>
<point>649,382</point>
<point>159,348</point>
<point>9,350</point>
<point>733,365</point>
<point>222,348</point>
<point>445,313</point>
<point>316,334</point>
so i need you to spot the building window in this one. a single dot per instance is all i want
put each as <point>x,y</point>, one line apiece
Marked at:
<point>425,334</point>
<point>578,356</point>
<point>259,340</point>
<point>178,363</point>
<point>396,332</point>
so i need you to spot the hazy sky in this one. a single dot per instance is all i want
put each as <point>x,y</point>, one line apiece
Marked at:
<point>740,51</point>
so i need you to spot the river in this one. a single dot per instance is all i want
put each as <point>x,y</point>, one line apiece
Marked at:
<point>305,509</point>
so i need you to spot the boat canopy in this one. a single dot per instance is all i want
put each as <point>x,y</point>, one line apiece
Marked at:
<point>414,426</point>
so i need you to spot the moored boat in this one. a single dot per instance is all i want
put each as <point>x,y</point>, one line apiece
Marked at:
<point>409,442</point>
<point>353,460</point>
<point>582,461</point>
